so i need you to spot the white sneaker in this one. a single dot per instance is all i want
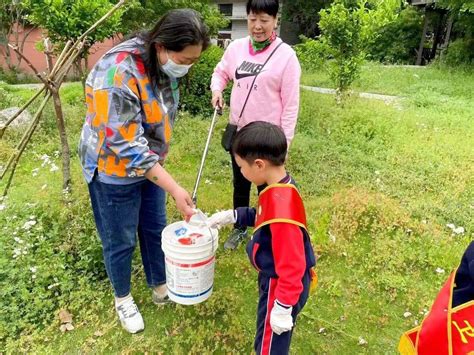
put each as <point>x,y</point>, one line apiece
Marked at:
<point>130,316</point>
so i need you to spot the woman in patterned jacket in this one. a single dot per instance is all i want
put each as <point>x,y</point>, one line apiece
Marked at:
<point>132,98</point>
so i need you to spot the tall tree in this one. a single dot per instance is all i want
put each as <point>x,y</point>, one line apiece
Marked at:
<point>12,19</point>
<point>67,19</point>
<point>146,12</point>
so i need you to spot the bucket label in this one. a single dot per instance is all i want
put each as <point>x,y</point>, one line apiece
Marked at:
<point>192,239</point>
<point>180,232</point>
<point>187,280</point>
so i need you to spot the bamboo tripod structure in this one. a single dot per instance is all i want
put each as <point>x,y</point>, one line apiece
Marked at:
<point>52,83</point>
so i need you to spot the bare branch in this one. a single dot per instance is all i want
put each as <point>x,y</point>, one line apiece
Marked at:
<point>24,140</point>
<point>15,48</point>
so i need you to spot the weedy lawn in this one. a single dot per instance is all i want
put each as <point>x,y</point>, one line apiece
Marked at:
<point>380,184</point>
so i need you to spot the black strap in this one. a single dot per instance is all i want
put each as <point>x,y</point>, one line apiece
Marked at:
<point>255,78</point>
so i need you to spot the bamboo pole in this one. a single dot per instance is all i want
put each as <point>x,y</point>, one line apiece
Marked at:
<point>22,145</point>
<point>23,108</point>
<point>52,84</point>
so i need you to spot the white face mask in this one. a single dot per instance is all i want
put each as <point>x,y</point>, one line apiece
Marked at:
<point>175,70</point>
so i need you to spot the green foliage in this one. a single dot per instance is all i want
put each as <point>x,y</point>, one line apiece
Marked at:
<point>144,14</point>
<point>305,13</point>
<point>196,93</point>
<point>460,52</point>
<point>69,19</point>
<point>380,182</point>
<point>348,27</point>
<point>341,28</point>
<point>46,254</point>
<point>397,41</point>
<point>311,53</point>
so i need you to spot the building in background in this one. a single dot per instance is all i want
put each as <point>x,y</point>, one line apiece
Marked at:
<point>236,12</point>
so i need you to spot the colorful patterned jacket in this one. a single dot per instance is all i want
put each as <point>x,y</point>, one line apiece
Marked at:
<point>128,124</point>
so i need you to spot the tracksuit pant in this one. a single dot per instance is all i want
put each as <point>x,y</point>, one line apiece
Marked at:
<point>267,342</point>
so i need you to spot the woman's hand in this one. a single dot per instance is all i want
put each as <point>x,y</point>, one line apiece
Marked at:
<point>183,202</point>
<point>217,99</point>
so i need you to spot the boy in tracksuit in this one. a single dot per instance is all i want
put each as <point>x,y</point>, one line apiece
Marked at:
<point>280,248</point>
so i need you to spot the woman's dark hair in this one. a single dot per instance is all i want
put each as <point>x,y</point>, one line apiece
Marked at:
<point>268,6</point>
<point>175,30</point>
<point>261,140</point>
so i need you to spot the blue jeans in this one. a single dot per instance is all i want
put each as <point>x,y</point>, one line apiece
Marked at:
<point>120,211</point>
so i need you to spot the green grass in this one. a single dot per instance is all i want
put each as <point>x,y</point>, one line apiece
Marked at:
<point>438,83</point>
<point>380,183</point>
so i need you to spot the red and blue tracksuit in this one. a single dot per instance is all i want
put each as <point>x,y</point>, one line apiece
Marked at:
<point>281,251</point>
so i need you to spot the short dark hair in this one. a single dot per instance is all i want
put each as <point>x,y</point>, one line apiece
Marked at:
<point>176,30</point>
<point>261,140</point>
<point>270,7</point>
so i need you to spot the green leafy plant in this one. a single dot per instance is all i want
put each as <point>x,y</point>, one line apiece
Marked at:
<point>341,33</point>
<point>196,92</point>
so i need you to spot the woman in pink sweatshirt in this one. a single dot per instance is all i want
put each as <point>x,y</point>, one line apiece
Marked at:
<point>266,75</point>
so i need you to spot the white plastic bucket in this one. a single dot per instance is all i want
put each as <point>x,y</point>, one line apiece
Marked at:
<point>189,260</point>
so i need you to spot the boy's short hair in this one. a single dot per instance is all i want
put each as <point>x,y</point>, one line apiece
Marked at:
<point>269,7</point>
<point>261,140</point>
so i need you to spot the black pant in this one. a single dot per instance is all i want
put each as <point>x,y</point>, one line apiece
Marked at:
<point>241,189</point>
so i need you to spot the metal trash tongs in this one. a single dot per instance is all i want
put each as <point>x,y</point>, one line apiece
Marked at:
<point>217,110</point>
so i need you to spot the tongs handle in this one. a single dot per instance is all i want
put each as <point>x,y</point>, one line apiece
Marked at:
<point>217,110</point>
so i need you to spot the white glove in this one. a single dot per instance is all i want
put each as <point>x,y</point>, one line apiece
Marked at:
<point>280,318</point>
<point>222,218</point>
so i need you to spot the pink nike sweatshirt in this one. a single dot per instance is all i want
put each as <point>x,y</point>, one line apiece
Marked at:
<point>274,96</point>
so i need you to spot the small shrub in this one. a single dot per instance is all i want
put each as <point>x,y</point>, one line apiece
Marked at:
<point>196,92</point>
<point>460,52</point>
<point>311,53</point>
<point>341,28</point>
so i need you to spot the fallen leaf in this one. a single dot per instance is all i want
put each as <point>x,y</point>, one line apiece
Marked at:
<point>98,333</point>
<point>65,316</point>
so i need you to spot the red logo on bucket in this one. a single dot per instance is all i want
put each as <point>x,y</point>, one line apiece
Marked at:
<point>191,239</point>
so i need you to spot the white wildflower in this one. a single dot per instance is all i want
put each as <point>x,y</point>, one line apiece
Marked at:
<point>439,270</point>
<point>362,341</point>
<point>2,206</point>
<point>451,226</point>
<point>458,230</point>
<point>54,167</point>
<point>322,330</point>
<point>28,225</point>
<point>18,240</point>
<point>53,285</point>
<point>34,172</point>
<point>33,269</point>
<point>406,314</point>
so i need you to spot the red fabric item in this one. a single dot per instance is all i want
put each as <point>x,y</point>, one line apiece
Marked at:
<point>290,261</point>
<point>268,332</point>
